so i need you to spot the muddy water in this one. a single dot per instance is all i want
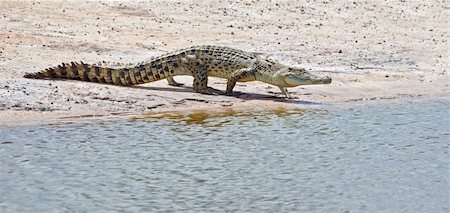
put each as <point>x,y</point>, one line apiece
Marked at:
<point>389,156</point>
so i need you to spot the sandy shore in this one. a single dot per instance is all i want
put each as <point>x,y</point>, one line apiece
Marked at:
<point>372,50</point>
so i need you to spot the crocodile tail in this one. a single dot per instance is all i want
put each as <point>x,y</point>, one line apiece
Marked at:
<point>125,76</point>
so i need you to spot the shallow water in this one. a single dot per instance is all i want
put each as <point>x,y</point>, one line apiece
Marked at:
<point>390,156</point>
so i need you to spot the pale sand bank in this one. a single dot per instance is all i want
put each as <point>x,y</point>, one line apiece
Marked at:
<point>372,50</point>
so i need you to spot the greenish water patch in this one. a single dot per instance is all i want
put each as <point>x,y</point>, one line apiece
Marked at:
<point>219,117</point>
<point>390,156</point>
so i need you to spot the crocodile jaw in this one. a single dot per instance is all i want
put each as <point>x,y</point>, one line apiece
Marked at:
<point>293,81</point>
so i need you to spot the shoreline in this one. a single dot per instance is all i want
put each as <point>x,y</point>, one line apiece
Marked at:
<point>33,118</point>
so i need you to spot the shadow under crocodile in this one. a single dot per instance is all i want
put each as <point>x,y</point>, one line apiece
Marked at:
<point>236,94</point>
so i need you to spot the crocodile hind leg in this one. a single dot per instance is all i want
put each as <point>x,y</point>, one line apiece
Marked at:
<point>242,75</point>
<point>172,82</point>
<point>200,83</point>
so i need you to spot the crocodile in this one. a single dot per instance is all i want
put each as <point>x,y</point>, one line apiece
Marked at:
<point>197,61</point>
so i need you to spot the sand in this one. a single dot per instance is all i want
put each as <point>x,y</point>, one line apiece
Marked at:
<point>372,50</point>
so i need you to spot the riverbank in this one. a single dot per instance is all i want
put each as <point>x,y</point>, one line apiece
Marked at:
<point>371,50</point>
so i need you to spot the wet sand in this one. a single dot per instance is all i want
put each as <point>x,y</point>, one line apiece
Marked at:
<point>372,50</point>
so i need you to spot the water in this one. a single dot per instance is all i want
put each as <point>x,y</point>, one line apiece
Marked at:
<point>388,157</point>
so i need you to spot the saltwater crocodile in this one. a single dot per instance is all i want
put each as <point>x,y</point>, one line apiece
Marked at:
<point>197,61</point>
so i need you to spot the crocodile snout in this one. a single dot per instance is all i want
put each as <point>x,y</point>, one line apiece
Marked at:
<point>321,80</point>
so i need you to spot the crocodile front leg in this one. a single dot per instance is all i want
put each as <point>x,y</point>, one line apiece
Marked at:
<point>285,92</point>
<point>242,75</point>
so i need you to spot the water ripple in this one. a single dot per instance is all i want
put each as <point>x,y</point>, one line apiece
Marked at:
<point>364,158</point>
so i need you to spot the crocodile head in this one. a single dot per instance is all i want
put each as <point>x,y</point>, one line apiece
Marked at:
<point>293,77</point>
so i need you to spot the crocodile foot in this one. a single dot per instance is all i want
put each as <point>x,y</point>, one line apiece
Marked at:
<point>176,84</point>
<point>210,91</point>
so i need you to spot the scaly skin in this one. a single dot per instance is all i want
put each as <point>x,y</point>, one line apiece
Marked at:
<point>197,61</point>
